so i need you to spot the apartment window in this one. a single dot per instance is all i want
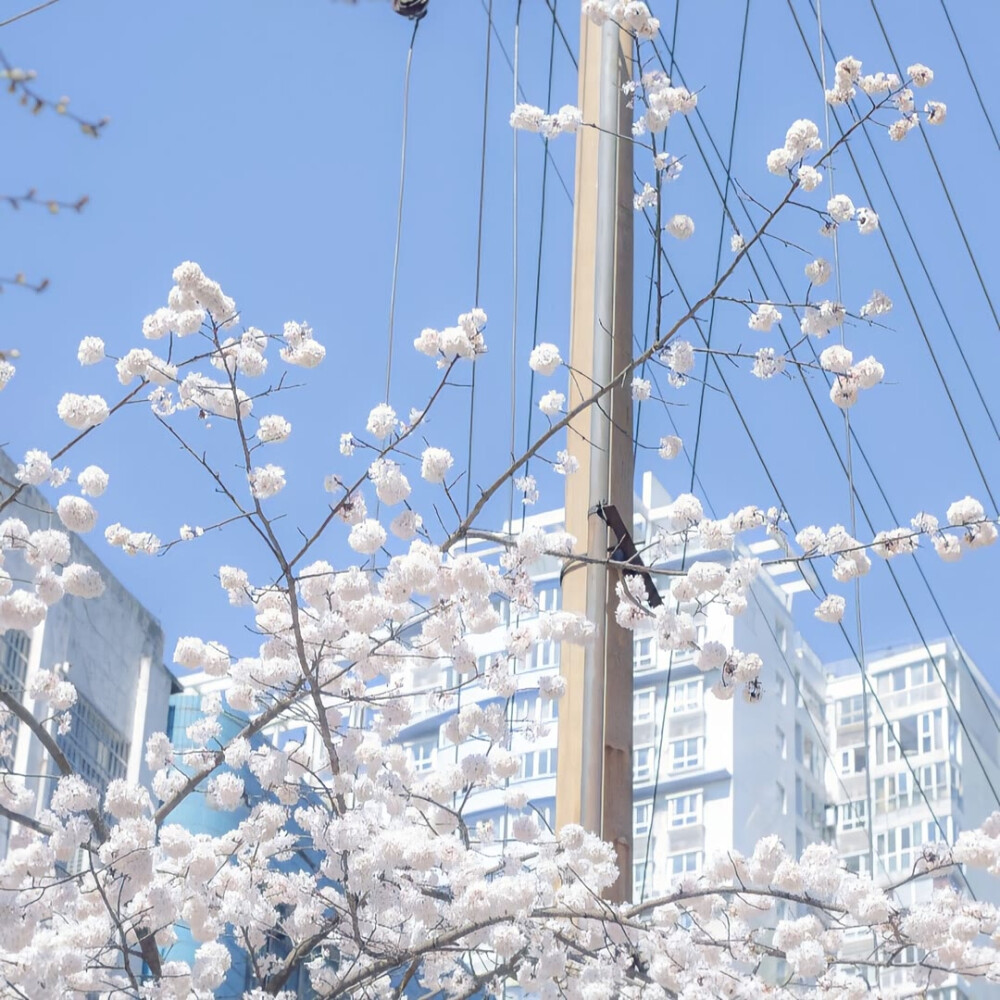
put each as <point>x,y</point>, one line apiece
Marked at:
<point>538,764</point>
<point>782,798</point>
<point>642,765</point>
<point>895,848</point>
<point>893,792</point>
<point>906,730</point>
<point>951,677</point>
<point>642,878</point>
<point>779,687</point>
<point>643,706</point>
<point>644,654</point>
<point>781,636</point>
<point>450,678</point>
<point>548,595</point>
<point>853,815</point>
<point>14,646</point>
<point>545,655</point>
<point>688,863</point>
<point>929,730</point>
<point>546,812</point>
<point>857,863</point>
<point>798,743</point>
<point>423,753</point>
<point>502,607</point>
<point>94,748</point>
<point>891,681</point>
<point>780,742</point>
<point>934,780</point>
<point>853,760</point>
<point>529,706</point>
<point>684,810</point>
<point>686,696</point>
<point>799,806</point>
<point>685,755</point>
<point>811,756</point>
<point>886,746</point>
<point>642,818</point>
<point>851,710</point>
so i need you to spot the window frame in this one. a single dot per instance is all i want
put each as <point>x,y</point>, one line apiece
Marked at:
<point>689,761</point>
<point>677,820</point>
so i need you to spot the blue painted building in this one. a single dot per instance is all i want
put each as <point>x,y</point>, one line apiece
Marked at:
<point>196,816</point>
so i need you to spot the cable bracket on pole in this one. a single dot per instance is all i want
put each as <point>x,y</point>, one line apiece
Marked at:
<point>625,550</point>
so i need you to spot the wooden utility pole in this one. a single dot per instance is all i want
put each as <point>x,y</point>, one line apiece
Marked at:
<point>594,782</point>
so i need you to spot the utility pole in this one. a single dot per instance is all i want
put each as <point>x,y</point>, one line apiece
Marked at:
<point>594,781</point>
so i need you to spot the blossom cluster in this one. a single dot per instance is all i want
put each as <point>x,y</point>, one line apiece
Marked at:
<point>529,118</point>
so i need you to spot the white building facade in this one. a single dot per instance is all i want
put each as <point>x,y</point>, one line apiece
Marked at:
<point>109,647</point>
<point>709,774</point>
<point>914,762</point>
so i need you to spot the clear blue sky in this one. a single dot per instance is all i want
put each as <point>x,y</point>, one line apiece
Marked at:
<point>262,140</point>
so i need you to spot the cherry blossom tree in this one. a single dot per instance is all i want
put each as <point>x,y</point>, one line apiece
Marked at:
<point>402,894</point>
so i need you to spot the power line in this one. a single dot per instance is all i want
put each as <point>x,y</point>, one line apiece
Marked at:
<point>871,470</point>
<point>866,680</point>
<point>701,402</point>
<point>514,249</point>
<point>521,94</point>
<point>906,603</point>
<point>777,493</point>
<point>399,209</point>
<point>722,232</point>
<point>805,382</point>
<point>944,185</point>
<point>479,244</point>
<point>972,78</point>
<point>25,13</point>
<point>848,467</point>
<point>764,466</point>
<point>541,240</point>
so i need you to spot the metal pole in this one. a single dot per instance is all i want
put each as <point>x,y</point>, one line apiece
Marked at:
<point>596,727</point>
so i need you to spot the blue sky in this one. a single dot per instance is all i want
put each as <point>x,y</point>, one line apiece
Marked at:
<point>262,140</point>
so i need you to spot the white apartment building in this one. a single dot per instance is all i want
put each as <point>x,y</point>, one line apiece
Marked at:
<point>913,758</point>
<point>813,760</point>
<point>709,774</point>
<point>110,647</point>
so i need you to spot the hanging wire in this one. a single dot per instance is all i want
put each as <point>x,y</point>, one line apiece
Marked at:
<point>985,699</point>
<point>479,249</point>
<point>521,95</point>
<point>817,726</point>
<point>399,210</point>
<point>972,78</point>
<point>866,680</point>
<point>708,340</point>
<point>805,381</point>
<point>541,241</point>
<point>722,233</point>
<point>915,620</point>
<point>764,466</point>
<point>757,451</point>
<point>851,491</point>
<point>514,290</point>
<point>940,176</point>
